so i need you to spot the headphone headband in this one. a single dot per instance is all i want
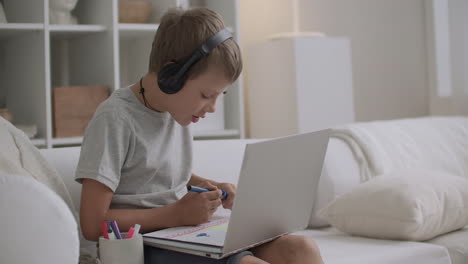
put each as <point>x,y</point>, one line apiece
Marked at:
<point>215,40</point>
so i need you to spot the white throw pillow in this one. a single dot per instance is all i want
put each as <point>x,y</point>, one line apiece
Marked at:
<point>407,204</point>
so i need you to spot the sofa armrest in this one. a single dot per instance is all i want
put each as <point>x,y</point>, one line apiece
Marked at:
<point>38,227</point>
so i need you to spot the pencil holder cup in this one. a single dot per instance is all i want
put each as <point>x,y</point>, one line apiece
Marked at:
<point>121,251</point>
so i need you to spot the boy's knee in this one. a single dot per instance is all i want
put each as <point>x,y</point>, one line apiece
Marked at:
<point>299,246</point>
<point>249,259</point>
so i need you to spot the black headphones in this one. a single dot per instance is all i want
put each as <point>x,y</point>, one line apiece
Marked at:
<point>172,76</point>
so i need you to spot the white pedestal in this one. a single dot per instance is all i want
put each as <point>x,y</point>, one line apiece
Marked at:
<point>299,84</point>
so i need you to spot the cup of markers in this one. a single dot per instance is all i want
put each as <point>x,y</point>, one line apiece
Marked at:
<point>116,247</point>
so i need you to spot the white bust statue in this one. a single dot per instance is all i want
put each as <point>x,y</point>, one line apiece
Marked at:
<point>60,11</point>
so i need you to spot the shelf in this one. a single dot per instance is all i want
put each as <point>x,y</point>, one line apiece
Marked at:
<point>128,31</point>
<point>216,133</point>
<point>13,29</point>
<point>96,51</point>
<point>71,31</point>
<point>38,142</point>
<point>66,141</point>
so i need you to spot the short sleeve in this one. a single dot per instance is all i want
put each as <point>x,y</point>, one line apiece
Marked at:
<point>104,150</point>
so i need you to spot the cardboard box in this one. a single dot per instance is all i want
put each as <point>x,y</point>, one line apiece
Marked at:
<point>74,106</point>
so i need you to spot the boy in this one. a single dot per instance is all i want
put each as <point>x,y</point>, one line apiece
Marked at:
<point>136,158</point>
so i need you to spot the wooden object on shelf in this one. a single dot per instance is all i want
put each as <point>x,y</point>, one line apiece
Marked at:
<point>134,11</point>
<point>74,106</point>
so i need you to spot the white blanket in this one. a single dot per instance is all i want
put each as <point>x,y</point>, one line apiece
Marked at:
<point>439,143</point>
<point>18,156</point>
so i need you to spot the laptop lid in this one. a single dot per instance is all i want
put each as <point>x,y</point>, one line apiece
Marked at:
<point>276,188</point>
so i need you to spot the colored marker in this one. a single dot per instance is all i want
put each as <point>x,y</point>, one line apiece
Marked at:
<point>115,227</point>
<point>137,229</point>
<point>104,230</point>
<point>192,188</point>
<point>130,232</point>
<point>109,231</point>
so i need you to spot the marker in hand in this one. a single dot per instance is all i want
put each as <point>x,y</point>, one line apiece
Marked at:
<point>192,188</point>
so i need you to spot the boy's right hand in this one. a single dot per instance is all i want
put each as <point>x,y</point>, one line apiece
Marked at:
<point>197,208</point>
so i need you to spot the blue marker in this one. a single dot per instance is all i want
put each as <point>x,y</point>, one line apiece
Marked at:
<point>192,188</point>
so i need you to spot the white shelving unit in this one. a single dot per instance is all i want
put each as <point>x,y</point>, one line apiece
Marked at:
<point>36,56</point>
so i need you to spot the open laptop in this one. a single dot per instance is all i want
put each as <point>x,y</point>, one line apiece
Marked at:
<point>275,194</point>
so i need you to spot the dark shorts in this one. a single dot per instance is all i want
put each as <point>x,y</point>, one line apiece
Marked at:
<point>157,255</point>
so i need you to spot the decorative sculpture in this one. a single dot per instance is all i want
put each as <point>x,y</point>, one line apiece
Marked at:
<point>60,11</point>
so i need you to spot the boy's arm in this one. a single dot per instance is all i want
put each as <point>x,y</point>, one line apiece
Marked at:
<point>192,209</point>
<point>94,209</point>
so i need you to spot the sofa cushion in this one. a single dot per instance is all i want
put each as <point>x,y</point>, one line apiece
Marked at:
<point>339,248</point>
<point>456,243</point>
<point>65,160</point>
<point>38,227</point>
<point>219,160</point>
<point>408,204</point>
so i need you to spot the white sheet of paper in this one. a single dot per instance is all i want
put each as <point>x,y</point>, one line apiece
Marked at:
<point>212,232</point>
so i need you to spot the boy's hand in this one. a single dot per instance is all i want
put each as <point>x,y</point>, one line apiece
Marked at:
<point>197,208</point>
<point>231,190</point>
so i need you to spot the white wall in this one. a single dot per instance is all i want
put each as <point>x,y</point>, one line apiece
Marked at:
<point>458,14</point>
<point>388,52</point>
<point>391,49</point>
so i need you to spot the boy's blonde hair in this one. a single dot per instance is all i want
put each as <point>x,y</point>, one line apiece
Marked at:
<point>181,32</point>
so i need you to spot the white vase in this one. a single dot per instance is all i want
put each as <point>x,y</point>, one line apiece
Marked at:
<point>184,4</point>
<point>60,11</point>
<point>2,15</point>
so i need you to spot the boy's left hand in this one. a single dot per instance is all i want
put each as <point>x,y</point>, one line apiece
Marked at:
<point>231,190</point>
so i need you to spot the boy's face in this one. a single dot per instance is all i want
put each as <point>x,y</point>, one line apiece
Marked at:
<point>197,97</point>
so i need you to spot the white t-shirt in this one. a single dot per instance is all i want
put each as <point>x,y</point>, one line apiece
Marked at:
<point>143,156</point>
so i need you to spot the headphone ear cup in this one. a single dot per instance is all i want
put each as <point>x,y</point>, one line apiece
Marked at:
<point>168,80</point>
<point>172,76</point>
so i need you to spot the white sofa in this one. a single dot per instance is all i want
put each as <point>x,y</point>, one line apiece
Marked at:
<point>221,159</point>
